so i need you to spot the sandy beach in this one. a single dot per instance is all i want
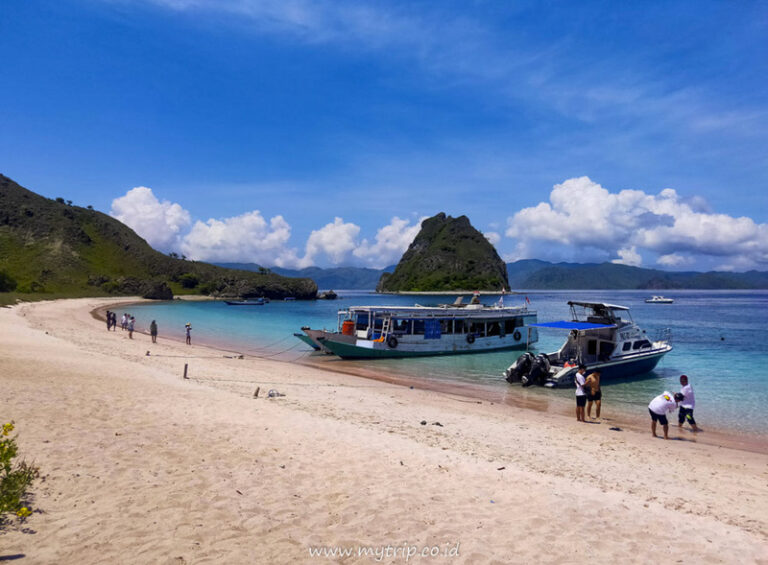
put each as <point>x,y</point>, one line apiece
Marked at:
<point>142,466</point>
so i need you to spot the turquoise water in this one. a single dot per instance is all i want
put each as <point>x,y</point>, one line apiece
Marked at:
<point>718,339</point>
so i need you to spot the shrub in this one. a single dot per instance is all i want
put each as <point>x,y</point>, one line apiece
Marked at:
<point>7,283</point>
<point>189,280</point>
<point>15,478</point>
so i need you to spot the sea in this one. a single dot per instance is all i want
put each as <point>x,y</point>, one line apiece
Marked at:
<point>717,338</point>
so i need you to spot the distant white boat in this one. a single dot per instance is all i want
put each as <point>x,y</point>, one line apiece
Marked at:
<point>659,300</point>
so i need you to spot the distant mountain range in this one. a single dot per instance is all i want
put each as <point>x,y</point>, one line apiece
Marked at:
<point>534,274</point>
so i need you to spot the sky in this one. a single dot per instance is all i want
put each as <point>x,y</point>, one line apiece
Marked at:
<point>301,133</point>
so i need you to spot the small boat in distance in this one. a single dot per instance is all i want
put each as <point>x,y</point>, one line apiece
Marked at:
<point>603,337</point>
<point>375,332</point>
<point>252,302</point>
<point>659,300</point>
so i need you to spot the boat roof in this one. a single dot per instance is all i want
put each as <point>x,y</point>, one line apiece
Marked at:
<point>566,325</point>
<point>467,311</point>
<point>596,305</point>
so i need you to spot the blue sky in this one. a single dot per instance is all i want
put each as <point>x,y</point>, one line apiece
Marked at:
<point>296,133</point>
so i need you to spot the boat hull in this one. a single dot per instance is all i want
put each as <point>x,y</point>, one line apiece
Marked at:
<point>453,345</point>
<point>613,369</point>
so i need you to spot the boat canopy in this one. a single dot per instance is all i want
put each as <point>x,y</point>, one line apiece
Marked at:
<point>566,325</point>
<point>597,305</point>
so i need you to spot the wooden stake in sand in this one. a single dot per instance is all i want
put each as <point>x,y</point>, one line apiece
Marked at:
<point>185,370</point>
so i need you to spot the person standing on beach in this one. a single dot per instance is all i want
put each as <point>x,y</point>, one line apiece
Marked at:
<point>686,406</point>
<point>594,394</point>
<point>114,321</point>
<point>188,329</point>
<point>131,324</point>
<point>109,320</point>
<point>153,331</point>
<point>659,407</point>
<point>581,394</point>
<point>124,322</point>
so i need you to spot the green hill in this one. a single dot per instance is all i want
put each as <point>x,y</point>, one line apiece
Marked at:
<point>447,254</point>
<point>347,278</point>
<point>51,246</point>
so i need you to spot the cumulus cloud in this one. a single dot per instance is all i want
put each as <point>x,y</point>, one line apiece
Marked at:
<point>623,226</point>
<point>493,237</point>
<point>335,241</point>
<point>159,223</point>
<point>392,241</point>
<point>674,260</point>
<point>245,238</point>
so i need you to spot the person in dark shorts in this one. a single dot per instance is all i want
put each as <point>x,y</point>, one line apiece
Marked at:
<point>659,407</point>
<point>153,331</point>
<point>594,394</point>
<point>687,405</point>
<point>581,394</point>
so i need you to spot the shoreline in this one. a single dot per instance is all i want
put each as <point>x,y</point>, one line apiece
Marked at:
<point>619,416</point>
<point>139,462</point>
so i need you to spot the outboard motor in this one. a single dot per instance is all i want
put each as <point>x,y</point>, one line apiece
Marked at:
<point>520,368</point>
<point>539,371</point>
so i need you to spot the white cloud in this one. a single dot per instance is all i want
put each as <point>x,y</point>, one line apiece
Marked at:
<point>335,241</point>
<point>629,256</point>
<point>674,260</point>
<point>585,218</point>
<point>493,237</point>
<point>391,242</point>
<point>159,223</point>
<point>245,238</point>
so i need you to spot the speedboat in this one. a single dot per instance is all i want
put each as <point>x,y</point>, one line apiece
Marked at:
<point>659,300</point>
<point>600,336</point>
<point>373,332</point>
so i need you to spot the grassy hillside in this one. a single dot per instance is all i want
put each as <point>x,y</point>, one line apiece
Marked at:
<point>348,278</point>
<point>534,274</point>
<point>51,246</point>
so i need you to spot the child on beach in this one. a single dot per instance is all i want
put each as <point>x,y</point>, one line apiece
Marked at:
<point>686,406</point>
<point>131,323</point>
<point>188,329</point>
<point>659,407</point>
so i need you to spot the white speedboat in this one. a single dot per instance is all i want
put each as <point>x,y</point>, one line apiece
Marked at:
<point>659,300</point>
<point>600,336</point>
<point>372,332</point>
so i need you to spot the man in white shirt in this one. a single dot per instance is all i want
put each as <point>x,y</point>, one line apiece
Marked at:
<point>687,405</point>
<point>581,394</point>
<point>659,407</point>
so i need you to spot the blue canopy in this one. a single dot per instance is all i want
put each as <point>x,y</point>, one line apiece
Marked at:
<point>566,325</point>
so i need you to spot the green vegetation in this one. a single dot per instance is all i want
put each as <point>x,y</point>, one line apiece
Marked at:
<point>447,254</point>
<point>52,248</point>
<point>15,478</point>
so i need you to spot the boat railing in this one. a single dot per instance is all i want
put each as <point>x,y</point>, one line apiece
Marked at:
<point>663,334</point>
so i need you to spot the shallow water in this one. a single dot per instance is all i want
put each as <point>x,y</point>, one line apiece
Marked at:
<point>717,339</point>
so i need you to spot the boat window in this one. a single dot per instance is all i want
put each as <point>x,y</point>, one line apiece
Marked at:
<point>418,327</point>
<point>431,329</point>
<point>592,347</point>
<point>641,344</point>
<point>362,321</point>
<point>510,325</point>
<point>477,328</point>
<point>627,346</point>
<point>446,327</point>
<point>401,326</point>
<point>458,326</point>
<point>492,329</point>
<point>606,348</point>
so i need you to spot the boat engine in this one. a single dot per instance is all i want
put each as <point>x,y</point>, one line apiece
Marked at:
<point>539,371</point>
<point>519,368</point>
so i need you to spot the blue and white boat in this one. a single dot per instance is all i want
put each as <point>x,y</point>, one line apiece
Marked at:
<point>373,332</point>
<point>600,336</point>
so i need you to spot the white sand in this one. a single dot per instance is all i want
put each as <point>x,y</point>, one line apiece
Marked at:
<point>141,466</point>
